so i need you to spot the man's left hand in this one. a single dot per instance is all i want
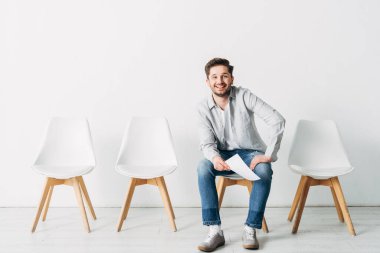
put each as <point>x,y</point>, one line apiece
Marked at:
<point>259,159</point>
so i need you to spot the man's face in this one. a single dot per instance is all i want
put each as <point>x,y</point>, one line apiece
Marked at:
<point>220,81</point>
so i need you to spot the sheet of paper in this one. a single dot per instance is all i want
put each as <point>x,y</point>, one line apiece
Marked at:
<point>238,166</point>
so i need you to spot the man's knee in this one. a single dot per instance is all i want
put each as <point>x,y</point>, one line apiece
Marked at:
<point>264,171</point>
<point>204,167</point>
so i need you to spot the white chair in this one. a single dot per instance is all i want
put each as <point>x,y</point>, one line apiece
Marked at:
<point>318,155</point>
<point>146,156</point>
<point>66,155</point>
<point>235,179</point>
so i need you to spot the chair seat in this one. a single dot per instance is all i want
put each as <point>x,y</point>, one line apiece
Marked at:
<point>234,176</point>
<point>145,172</point>
<point>63,172</point>
<point>321,173</point>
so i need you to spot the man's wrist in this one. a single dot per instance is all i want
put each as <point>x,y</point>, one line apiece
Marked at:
<point>215,156</point>
<point>264,158</point>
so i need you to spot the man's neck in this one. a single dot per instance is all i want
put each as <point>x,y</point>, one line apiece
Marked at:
<point>222,102</point>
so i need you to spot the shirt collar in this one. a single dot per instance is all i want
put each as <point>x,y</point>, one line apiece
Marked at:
<point>211,102</point>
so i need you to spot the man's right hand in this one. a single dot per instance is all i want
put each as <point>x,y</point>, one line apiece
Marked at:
<point>220,164</point>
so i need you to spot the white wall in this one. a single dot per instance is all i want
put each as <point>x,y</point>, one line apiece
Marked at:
<point>110,60</point>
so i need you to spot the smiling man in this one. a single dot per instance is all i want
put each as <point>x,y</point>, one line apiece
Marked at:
<point>227,127</point>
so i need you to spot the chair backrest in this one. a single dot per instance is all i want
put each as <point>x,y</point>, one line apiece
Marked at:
<point>317,145</point>
<point>147,142</point>
<point>67,143</point>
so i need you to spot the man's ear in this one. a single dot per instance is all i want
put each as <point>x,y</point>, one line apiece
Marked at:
<point>232,80</point>
<point>207,82</point>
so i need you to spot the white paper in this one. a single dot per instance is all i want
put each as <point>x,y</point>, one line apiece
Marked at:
<point>238,166</point>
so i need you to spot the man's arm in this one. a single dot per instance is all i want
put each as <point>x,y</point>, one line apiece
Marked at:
<point>209,143</point>
<point>274,121</point>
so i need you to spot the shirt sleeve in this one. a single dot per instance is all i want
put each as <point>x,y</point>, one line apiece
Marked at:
<point>272,118</point>
<point>208,142</point>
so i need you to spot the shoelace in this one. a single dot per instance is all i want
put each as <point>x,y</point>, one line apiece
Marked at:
<point>210,235</point>
<point>250,233</point>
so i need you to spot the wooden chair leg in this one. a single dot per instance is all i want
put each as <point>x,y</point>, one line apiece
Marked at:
<point>265,226</point>
<point>305,191</point>
<point>86,196</point>
<point>162,180</point>
<point>127,203</point>
<point>296,199</point>
<point>337,207</point>
<point>343,205</point>
<point>166,199</point>
<point>79,198</point>
<point>42,203</point>
<point>249,185</point>
<point>221,188</point>
<point>47,202</point>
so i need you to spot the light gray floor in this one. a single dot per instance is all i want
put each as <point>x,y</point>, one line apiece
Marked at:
<point>148,230</point>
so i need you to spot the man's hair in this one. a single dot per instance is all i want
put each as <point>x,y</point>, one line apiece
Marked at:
<point>217,62</point>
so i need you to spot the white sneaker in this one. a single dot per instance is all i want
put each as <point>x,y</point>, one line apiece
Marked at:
<point>249,238</point>
<point>215,239</point>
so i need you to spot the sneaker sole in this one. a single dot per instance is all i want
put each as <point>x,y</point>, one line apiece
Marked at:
<point>210,249</point>
<point>250,246</point>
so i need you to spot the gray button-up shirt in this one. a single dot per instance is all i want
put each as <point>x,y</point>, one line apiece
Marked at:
<point>243,105</point>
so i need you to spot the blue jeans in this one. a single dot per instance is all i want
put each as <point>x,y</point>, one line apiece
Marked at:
<point>259,194</point>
